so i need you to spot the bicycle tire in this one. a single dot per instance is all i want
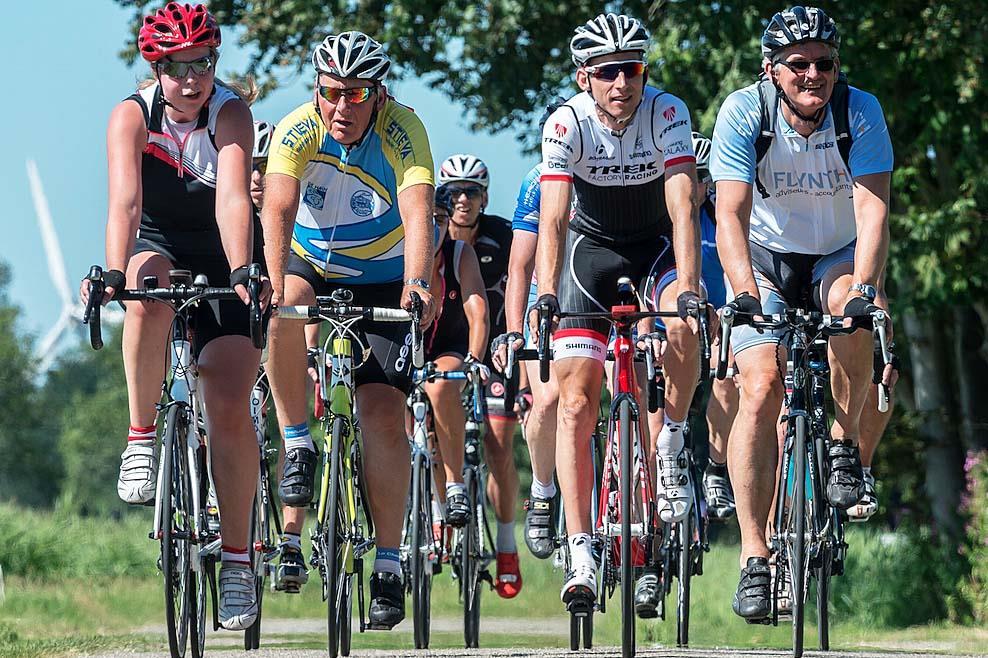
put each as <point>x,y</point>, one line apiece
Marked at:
<point>686,529</point>
<point>417,545</point>
<point>627,565</point>
<point>798,536</point>
<point>197,636</point>
<point>258,538</point>
<point>346,613</point>
<point>470,565</point>
<point>174,548</point>
<point>330,540</point>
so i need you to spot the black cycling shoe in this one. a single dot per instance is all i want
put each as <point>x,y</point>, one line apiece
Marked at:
<point>647,595</point>
<point>457,510</point>
<point>387,606</point>
<point>846,484</point>
<point>538,526</point>
<point>299,477</point>
<point>753,600</point>
<point>291,573</point>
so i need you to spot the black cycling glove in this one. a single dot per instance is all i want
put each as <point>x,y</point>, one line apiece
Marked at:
<point>688,305</point>
<point>746,303</point>
<point>114,279</point>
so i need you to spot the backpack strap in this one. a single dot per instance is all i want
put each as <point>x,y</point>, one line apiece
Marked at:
<point>840,110</point>
<point>768,98</point>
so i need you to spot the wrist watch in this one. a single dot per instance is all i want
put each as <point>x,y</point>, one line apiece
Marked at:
<point>867,291</point>
<point>421,283</point>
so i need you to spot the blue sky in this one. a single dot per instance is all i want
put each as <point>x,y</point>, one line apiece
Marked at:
<point>55,110</point>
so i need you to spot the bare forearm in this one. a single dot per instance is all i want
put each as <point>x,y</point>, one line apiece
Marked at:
<point>415,205</point>
<point>121,230</point>
<point>277,226</point>
<point>686,243</point>
<point>871,252</point>
<point>549,255</point>
<point>475,309</point>
<point>735,253</point>
<point>234,222</point>
<point>516,293</point>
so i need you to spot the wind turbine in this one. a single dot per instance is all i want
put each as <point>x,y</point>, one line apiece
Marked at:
<point>73,309</point>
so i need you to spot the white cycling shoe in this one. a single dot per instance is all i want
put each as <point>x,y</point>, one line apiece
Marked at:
<point>138,472</point>
<point>238,598</point>
<point>674,493</point>
<point>865,508</point>
<point>581,582</point>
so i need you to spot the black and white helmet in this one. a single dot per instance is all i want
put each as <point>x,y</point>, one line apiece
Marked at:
<point>352,55</point>
<point>464,167</point>
<point>701,147</point>
<point>262,138</point>
<point>606,34</point>
<point>799,25</point>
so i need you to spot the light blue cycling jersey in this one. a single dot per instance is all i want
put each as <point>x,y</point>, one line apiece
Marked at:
<point>810,208</point>
<point>526,216</point>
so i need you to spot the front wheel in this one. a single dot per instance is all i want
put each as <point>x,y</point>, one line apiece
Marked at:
<point>176,530</point>
<point>419,546</point>
<point>331,543</point>
<point>686,559</point>
<point>470,565</point>
<point>627,484</point>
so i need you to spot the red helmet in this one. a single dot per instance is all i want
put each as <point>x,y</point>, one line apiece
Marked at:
<point>175,28</point>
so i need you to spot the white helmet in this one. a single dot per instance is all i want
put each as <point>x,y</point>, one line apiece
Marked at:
<point>464,167</point>
<point>352,55</point>
<point>262,138</point>
<point>606,34</point>
<point>701,147</point>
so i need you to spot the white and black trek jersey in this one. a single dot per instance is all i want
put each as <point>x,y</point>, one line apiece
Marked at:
<point>618,176</point>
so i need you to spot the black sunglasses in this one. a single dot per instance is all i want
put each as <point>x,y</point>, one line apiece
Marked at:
<point>802,66</point>
<point>200,67</point>
<point>261,165</point>
<point>472,191</point>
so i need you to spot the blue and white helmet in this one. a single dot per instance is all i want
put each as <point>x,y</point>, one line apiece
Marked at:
<point>606,34</point>
<point>799,25</point>
<point>352,55</point>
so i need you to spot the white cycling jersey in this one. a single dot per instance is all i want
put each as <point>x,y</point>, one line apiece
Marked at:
<point>810,208</point>
<point>618,175</point>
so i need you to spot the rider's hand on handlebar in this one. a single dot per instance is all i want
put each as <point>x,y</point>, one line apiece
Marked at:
<point>239,279</point>
<point>746,303</point>
<point>500,345</point>
<point>428,303</point>
<point>482,370</point>
<point>688,307</point>
<point>552,302</point>
<point>312,368</point>
<point>113,280</point>
<point>656,342</point>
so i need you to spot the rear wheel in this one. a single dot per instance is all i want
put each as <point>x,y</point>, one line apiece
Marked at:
<point>176,531</point>
<point>686,531</point>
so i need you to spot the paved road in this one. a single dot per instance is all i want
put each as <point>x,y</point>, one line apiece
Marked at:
<point>290,629</point>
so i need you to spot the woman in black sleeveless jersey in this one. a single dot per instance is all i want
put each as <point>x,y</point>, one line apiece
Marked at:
<point>459,332</point>
<point>179,166</point>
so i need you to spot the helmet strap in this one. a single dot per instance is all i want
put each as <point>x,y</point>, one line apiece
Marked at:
<point>815,118</point>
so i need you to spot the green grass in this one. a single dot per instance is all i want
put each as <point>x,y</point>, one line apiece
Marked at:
<point>75,585</point>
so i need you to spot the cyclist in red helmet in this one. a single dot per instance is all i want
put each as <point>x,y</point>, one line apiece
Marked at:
<point>179,164</point>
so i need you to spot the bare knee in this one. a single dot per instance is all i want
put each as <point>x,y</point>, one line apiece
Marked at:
<point>763,390</point>
<point>576,408</point>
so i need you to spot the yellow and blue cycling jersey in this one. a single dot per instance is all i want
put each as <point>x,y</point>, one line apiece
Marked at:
<point>348,226</point>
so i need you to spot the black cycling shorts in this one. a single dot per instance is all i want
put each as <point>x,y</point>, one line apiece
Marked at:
<point>588,283</point>
<point>390,343</point>
<point>216,318</point>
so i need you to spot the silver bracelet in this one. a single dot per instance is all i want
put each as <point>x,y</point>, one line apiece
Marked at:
<point>421,283</point>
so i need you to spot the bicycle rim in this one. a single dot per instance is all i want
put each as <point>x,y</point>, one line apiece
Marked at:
<point>197,635</point>
<point>627,565</point>
<point>331,541</point>
<point>685,573</point>
<point>798,537</point>
<point>175,523</point>
<point>252,636</point>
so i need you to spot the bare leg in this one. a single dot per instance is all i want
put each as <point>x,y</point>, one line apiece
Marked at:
<point>386,458</point>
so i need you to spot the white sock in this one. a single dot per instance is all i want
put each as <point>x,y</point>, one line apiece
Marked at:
<point>454,488</point>
<point>579,550</point>
<point>505,541</point>
<point>671,440</point>
<point>866,470</point>
<point>235,556</point>
<point>543,491</point>
<point>297,436</point>
<point>437,511</point>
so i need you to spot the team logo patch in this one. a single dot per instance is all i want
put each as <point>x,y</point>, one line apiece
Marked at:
<point>362,203</point>
<point>315,196</point>
<point>486,259</point>
<point>669,113</point>
<point>560,130</point>
<point>452,294</point>
<point>497,389</point>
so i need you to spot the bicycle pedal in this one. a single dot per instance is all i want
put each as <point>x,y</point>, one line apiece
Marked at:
<point>761,621</point>
<point>148,503</point>
<point>580,607</point>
